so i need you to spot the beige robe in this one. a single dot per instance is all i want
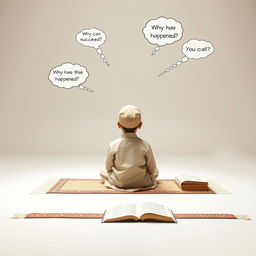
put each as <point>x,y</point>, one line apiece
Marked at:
<point>130,164</point>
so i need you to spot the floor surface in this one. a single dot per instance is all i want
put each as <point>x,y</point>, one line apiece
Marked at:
<point>36,237</point>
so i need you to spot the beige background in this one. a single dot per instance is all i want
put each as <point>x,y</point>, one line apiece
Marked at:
<point>205,106</point>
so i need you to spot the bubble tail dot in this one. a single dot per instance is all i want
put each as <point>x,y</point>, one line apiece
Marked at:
<point>99,51</point>
<point>162,73</point>
<point>88,89</point>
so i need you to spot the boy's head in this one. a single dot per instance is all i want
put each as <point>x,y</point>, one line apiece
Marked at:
<point>129,118</point>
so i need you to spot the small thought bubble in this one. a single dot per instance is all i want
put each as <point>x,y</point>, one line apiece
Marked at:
<point>193,49</point>
<point>162,31</point>
<point>69,75</point>
<point>196,49</point>
<point>94,38</point>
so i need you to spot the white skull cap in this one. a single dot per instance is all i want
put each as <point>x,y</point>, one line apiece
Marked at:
<point>129,116</point>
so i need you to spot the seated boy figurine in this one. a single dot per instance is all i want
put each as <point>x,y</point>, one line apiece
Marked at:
<point>130,163</point>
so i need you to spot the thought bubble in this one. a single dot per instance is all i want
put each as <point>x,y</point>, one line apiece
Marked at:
<point>193,49</point>
<point>162,31</point>
<point>69,75</point>
<point>94,38</point>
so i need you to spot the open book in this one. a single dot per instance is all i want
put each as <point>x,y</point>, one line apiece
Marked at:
<point>143,211</point>
<point>194,183</point>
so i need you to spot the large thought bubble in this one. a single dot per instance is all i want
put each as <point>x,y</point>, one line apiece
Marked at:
<point>193,49</point>
<point>162,31</point>
<point>94,38</point>
<point>69,75</point>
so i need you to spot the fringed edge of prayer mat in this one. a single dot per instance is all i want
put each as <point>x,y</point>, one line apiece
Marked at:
<point>99,216</point>
<point>216,188</point>
<point>46,186</point>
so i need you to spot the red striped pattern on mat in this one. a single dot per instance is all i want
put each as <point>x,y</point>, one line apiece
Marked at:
<point>99,215</point>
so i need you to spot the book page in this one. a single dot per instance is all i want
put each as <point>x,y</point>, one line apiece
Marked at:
<point>120,210</point>
<point>150,207</point>
<point>182,178</point>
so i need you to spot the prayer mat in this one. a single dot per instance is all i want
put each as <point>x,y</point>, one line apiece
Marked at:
<point>96,186</point>
<point>100,215</point>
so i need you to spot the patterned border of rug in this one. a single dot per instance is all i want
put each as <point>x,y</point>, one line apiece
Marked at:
<point>96,186</point>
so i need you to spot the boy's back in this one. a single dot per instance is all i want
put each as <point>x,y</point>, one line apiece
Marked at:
<point>130,163</point>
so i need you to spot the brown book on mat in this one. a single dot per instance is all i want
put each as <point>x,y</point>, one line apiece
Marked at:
<point>139,212</point>
<point>192,183</point>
